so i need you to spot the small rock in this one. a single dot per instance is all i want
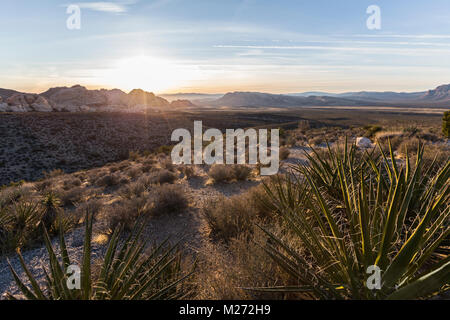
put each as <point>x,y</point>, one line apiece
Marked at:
<point>363,142</point>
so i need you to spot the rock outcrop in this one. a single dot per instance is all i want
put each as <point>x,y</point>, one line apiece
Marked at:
<point>26,102</point>
<point>182,103</point>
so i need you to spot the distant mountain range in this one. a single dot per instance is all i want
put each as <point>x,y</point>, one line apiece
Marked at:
<point>78,98</point>
<point>439,97</point>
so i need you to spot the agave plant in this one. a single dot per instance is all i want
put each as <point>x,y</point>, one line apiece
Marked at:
<point>127,272</point>
<point>349,216</point>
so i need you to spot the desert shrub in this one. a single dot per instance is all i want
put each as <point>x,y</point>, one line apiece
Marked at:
<point>163,176</point>
<point>220,173</point>
<point>11,195</point>
<point>188,170</point>
<point>389,216</point>
<point>371,130</point>
<point>164,150</point>
<point>71,182</point>
<point>43,186</point>
<point>146,168</point>
<point>241,172</point>
<point>167,164</point>
<point>446,124</point>
<point>223,274</point>
<point>260,201</point>
<point>92,206</point>
<point>133,189</point>
<point>315,141</point>
<point>108,180</point>
<point>54,173</point>
<point>134,155</point>
<point>126,272</point>
<point>133,172</point>
<point>384,138</point>
<point>284,153</point>
<point>126,212</point>
<point>411,131</point>
<point>72,196</point>
<point>408,145</point>
<point>169,199</point>
<point>229,217</point>
<point>427,136</point>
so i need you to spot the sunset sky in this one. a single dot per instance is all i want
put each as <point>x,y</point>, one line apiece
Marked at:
<point>219,46</point>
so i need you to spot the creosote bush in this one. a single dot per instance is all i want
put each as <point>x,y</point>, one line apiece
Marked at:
<point>169,199</point>
<point>231,217</point>
<point>221,173</point>
<point>163,176</point>
<point>241,172</point>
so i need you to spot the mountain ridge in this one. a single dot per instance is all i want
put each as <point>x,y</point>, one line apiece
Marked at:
<point>78,98</point>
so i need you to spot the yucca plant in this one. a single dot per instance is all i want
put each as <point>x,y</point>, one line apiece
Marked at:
<point>350,215</point>
<point>127,271</point>
<point>51,209</point>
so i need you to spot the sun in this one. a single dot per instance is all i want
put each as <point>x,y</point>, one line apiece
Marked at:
<point>148,73</point>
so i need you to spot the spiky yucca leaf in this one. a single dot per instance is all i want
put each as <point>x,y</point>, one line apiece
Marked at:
<point>354,214</point>
<point>127,271</point>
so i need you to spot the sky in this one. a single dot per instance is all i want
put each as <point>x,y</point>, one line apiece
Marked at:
<point>209,46</point>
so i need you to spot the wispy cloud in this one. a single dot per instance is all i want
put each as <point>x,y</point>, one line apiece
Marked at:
<point>104,6</point>
<point>410,36</point>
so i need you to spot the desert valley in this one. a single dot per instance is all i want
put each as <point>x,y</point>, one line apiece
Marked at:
<point>72,154</point>
<point>225,159</point>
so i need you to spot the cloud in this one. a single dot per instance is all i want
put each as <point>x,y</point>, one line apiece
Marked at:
<point>110,7</point>
<point>413,36</point>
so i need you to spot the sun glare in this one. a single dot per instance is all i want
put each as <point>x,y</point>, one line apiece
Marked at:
<point>148,73</point>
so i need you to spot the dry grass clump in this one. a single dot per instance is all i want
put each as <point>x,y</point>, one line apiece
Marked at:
<point>408,145</point>
<point>229,217</point>
<point>43,186</point>
<point>221,173</point>
<point>133,189</point>
<point>108,180</point>
<point>71,182</point>
<point>169,199</point>
<point>241,172</point>
<point>133,172</point>
<point>71,196</point>
<point>316,141</point>
<point>13,194</point>
<point>242,264</point>
<point>284,153</point>
<point>92,206</point>
<point>188,171</point>
<point>54,173</point>
<point>163,176</point>
<point>167,164</point>
<point>126,212</point>
<point>235,216</point>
